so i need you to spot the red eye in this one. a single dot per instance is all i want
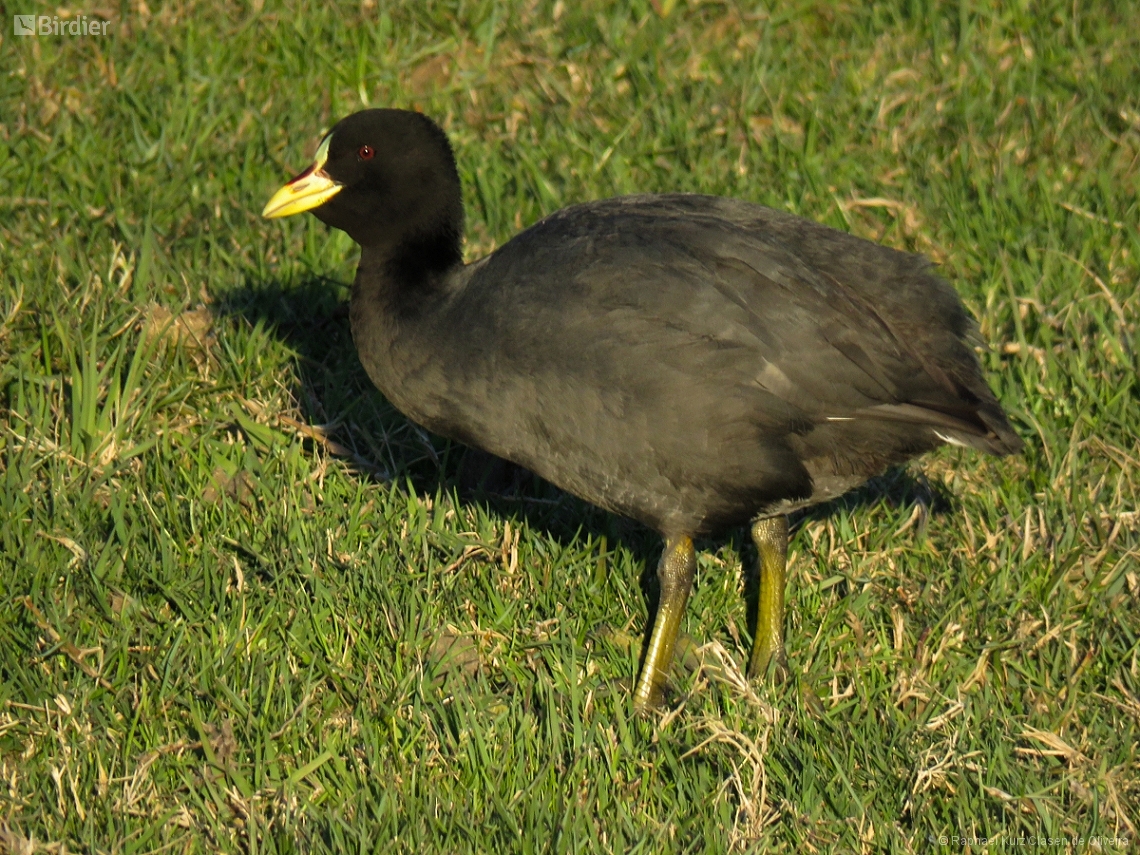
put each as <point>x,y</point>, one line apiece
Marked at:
<point>366,152</point>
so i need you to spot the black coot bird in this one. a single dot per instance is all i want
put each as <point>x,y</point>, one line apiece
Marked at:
<point>693,362</point>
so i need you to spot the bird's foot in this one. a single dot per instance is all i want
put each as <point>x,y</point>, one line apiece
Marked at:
<point>685,660</point>
<point>768,664</point>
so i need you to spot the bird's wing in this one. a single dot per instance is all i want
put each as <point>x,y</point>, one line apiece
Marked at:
<point>833,326</point>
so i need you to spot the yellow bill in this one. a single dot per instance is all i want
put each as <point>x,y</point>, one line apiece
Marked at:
<point>311,188</point>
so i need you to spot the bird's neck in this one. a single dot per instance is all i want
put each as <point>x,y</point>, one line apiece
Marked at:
<point>397,302</point>
<point>403,273</point>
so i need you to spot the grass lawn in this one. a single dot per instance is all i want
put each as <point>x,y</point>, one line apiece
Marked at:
<point>244,605</point>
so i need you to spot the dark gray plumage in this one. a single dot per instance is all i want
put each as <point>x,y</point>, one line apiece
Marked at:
<point>688,361</point>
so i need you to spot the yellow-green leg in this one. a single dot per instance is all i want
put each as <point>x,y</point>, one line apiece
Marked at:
<point>675,576</point>
<point>771,539</point>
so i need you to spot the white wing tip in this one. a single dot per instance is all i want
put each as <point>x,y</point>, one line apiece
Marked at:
<point>950,440</point>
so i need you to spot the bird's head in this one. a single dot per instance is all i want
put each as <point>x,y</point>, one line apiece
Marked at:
<point>385,177</point>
